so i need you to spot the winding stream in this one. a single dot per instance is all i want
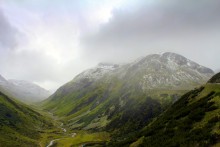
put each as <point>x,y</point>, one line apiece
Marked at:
<point>52,141</point>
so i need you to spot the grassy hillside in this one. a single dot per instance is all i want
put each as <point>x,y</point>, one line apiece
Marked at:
<point>194,120</point>
<point>113,106</point>
<point>124,98</point>
<point>19,124</point>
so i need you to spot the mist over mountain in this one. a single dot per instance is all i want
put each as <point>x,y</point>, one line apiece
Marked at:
<point>155,71</point>
<point>23,90</point>
<point>110,96</point>
<point>112,73</point>
<point>74,36</point>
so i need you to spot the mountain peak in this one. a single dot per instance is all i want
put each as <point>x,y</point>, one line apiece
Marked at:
<point>174,61</point>
<point>181,60</point>
<point>160,71</point>
<point>171,54</point>
<point>100,93</point>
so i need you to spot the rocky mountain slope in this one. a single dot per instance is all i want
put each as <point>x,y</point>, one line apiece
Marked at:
<point>193,120</point>
<point>168,70</point>
<point>23,90</point>
<point>122,98</point>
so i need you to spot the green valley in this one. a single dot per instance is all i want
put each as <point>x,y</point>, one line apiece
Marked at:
<point>25,126</point>
<point>109,73</point>
<point>142,103</point>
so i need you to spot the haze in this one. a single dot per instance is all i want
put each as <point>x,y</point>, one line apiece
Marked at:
<point>49,42</point>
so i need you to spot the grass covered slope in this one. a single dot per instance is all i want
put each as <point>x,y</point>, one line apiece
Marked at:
<point>112,106</point>
<point>124,98</point>
<point>194,120</point>
<point>19,124</point>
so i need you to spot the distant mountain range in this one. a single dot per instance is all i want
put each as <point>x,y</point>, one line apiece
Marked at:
<point>23,90</point>
<point>124,98</point>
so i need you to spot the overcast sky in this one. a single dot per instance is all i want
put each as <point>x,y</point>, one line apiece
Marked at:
<point>49,42</point>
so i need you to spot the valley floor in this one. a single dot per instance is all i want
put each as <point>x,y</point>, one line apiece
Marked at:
<point>61,136</point>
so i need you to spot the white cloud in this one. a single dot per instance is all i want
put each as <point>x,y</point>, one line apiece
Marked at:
<point>48,52</point>
<point>189,28</point>
<point>59,39</point>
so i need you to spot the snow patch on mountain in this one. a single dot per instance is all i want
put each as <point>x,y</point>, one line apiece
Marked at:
<point>155,71</point>
<point>97,72</point>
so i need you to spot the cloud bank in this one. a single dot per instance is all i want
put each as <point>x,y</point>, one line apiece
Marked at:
<point>49,43</point>
<point>187,27</point>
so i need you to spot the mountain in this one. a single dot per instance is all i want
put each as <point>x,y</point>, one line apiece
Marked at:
<point>124,98</point>
<point>167,71</point>
<point>29,91</point>
<point>23,90</point>
<point>191,121</point>
<point>20,125</point>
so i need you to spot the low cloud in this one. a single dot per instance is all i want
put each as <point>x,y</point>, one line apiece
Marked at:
<point>50,44</point>
<point>38,67</point>
<point>188,27</point>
